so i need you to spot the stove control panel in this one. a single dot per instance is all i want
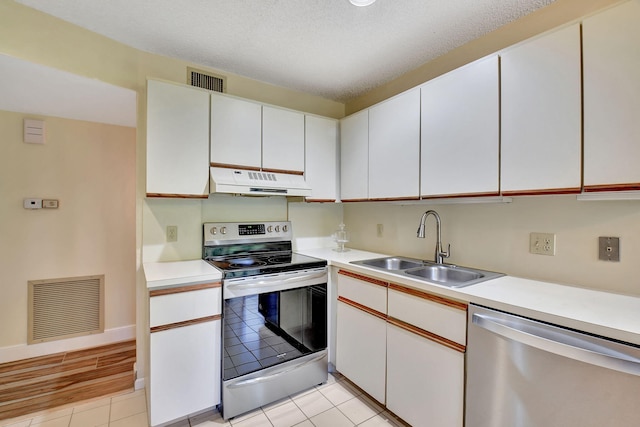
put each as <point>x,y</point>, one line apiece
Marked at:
<point>217,232</point>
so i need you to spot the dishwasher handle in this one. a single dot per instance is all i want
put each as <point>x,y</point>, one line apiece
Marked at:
<point>563,342</point>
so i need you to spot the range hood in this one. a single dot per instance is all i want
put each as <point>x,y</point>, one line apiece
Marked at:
<point>254,183</point>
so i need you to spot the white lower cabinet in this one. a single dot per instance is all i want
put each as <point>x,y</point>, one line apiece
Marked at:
<point>184,351</point>
<point>185,371</point>
<point>361,343</point>
<point>425,380</point>
<point>404,347</point>
<point>361,349</point>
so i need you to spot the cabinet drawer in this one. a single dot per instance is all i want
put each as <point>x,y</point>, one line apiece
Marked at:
<point>371,293</point>
<point>184,303</point>
<point>443,317</point>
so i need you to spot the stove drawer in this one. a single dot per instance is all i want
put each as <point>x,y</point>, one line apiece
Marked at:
<point>184,303</point>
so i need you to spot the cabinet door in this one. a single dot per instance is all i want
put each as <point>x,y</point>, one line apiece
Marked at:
<point>177,140</point>
<point>425,380</point>
<point>354,157</point>
<point>361,349</point>
<point>282,140</point>
<point>460,132</point>
<point>394,147</point>
<point>541,115</point>
<point>184,372</point>
<point>611,52</point>
<point>321,142</point>
<point>236,132</point>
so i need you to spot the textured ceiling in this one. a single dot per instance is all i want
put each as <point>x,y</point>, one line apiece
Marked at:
<point>328,48</point>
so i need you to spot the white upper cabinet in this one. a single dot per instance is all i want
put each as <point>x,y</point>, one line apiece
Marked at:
<point>354,156</point>
<point>236,132</point>
<point>541,115</point>
<point>460,140</point>
<point>611,49</point>
<point>177,140</point>
<point>321,142</point>
<point>249,135</point>
<point>282,140</point>
<point>394,147</point>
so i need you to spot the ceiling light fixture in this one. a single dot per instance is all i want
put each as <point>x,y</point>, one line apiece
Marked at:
<point>362,2</point>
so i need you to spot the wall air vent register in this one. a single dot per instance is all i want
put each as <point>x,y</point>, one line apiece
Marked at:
<point>65,308</point>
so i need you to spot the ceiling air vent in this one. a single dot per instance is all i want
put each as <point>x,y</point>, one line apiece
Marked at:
<point>207,81</point>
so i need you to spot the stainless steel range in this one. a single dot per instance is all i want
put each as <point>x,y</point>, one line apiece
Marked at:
<point>274,322</point>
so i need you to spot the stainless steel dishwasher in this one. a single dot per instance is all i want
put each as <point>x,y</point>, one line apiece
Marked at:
<point>526,373</point>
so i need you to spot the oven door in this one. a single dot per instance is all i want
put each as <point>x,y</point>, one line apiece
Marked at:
<point>274,337</point>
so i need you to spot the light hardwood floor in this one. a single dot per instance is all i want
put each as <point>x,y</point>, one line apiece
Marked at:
<point>51,381</point>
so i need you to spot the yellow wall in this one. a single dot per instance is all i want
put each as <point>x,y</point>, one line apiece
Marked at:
<point>90,169</point>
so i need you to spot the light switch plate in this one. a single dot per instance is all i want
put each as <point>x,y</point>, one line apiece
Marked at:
<point>542,243</point>
<point>609,249</point>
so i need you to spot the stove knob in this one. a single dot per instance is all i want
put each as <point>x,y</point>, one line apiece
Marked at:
<point>285,228</point>
<point>223,230</point>
<point>270,229</point>
<point>213,231</point>
<point>277,228</point>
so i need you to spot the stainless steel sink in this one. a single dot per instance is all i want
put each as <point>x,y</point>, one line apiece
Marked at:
<point>391,263</point>
<point>448,275</point>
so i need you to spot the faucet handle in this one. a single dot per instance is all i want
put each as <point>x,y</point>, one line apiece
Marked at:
<point>446,254</point>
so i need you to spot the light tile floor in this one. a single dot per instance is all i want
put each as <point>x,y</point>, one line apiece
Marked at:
<point>336,403</point>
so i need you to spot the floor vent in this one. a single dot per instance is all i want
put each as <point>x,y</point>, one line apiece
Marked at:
<point>65,308</point>
<point>207,81</point>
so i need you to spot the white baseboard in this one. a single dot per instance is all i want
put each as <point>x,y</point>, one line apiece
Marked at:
<point>24,351</point>
<point>139,384</point>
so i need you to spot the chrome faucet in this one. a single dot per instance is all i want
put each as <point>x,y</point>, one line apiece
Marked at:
<point>440,254</point>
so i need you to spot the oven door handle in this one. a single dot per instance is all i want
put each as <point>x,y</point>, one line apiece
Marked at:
<point>277,372</point>
<point>276,280</point>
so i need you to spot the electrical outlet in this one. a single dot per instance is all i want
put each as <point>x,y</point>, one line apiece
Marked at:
<point>379,230</point>
<point>542,243</point>
<point>172,233</point>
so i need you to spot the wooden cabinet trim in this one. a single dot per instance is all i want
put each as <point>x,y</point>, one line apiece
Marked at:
<point>363,308</point>
<point>187,288</point>
<point>424,295</point>
<point>612,187</point>
<point>392,199</point>
<point>452,196</point>
<point>426,334</point>
<point>570,190</point>
<point>229,166</point>
<point>354,200</point>
<point>364,278</point>
<point>184,323</point>
<point>178,196</point>
<point>320,200</point>
<point>288,172</point>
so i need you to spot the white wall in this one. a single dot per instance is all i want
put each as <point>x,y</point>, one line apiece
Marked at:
<point>496,237</point>
<point>90,168</point>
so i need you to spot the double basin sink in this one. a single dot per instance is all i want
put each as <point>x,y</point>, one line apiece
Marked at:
<point>448,275</point>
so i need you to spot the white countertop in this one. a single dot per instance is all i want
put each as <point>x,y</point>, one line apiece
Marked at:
<point>167,274</point>
<point>603,313</point>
